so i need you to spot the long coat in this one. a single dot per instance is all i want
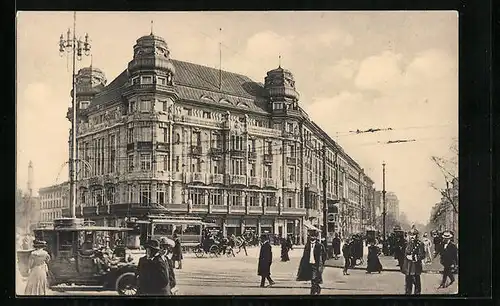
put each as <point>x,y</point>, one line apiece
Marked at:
<point>416,249</point>
<point>336,245</point>
<point>265,260</point>
<point>153,276</point>
<point>305,269</point>
<point>373,262</point>
<point>449,255</point>
<point>177,251</point>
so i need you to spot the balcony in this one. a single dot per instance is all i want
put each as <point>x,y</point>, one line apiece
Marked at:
<point>216,153</point>
<point>270,183</point>
<point>292,161</point>
<point>237,153</point>
<point>177,207</point>
<point>218,209</point>
<point>237,179</point>
<point>255,210</point>
<point>199,209</point>
<point>254,181</point>
<point>292,211</point>
<point>290,184</point>
<point>237,209</point>
<point>196,150</point>
<point>270,210</point>
<point>252,155</point>
<point>162,146</point>
<point>198,177</point>
<point>130,146</point>
<point>268,158</point>
<point>144,145</point>
<point>217,178</point>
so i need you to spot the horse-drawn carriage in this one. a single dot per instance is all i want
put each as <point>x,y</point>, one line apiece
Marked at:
<point>78,258</point>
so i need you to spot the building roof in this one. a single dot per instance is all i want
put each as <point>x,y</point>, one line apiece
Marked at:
<point>195,81</point>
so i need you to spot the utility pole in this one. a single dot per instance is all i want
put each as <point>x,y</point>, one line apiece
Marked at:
<point>383,200</point>
<point>325,205</point>
<point>76,46</point>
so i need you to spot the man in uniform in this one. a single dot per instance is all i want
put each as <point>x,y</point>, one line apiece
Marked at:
<point>152,271</point>
<point>414,253</point>
<point>449,258</point>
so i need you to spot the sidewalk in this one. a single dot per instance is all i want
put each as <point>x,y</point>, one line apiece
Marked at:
<point>388,264</point>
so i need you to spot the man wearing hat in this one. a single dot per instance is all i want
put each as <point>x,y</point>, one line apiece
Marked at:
<point>265,261</point>
<point>152,271</point>
<point>412,265</point>
<point>312,263</point>
<point>449,259</point>
<point>167,246</point>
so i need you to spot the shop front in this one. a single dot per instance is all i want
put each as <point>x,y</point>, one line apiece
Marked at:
<point>233,227</point>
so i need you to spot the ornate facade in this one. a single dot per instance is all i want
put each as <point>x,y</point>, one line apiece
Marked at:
<point>173,137</point>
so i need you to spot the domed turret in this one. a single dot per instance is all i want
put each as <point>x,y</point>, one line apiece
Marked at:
<point>280,86</point>
<point>89,82</point>
<point>151,53</point>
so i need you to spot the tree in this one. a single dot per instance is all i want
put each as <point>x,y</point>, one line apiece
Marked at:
<point>449,169</point>
<point>24,210</point>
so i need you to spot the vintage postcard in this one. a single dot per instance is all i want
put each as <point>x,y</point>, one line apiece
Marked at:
<point>237,153</point>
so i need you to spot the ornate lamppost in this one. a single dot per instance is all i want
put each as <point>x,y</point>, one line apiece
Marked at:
<point>78,47</point>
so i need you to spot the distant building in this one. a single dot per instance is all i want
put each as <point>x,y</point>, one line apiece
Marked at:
<point>392,204</point>
<point>53,199</point>
<point>444,214</point>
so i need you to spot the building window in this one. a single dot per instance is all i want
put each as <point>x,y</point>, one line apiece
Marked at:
<point>131,107</point>
<point>177,163</point>
<point>269,200</point>
<point>196,141</point>
<point>237,167</point>
<point>145,133</point>
<point>216,197</point>
<point>268,171</point>
<point>130,135</point>
<point>291,174</point>
<point>252,199</point>
<point>98,197</point>
<point>135,80</point>
<point>217,141</point>
<point>253,170</point>
<point>145,192</point>
<point>162,81</point>
<point>146,162</point>
<point>196,165</point>
<point>217,167</point>
<point>163,162</point>
<point>197,196</point>
<point>234,198</point>
<point>131,193</point>
<point>131,162</point>
<point>163,135</point>
<point>112,154</point>
<point>110,195</point>
<point>147,80</point>
<point>290,202</point>
<point>145,106</point>
<point>161,195</point>
<point>84,104</point>
<point>236,142</point>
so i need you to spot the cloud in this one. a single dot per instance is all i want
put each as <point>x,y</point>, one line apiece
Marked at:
<point>344,69</point>
<point>380,72</point>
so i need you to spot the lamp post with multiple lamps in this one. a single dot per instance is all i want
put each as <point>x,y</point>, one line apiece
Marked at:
<point>78,47</point>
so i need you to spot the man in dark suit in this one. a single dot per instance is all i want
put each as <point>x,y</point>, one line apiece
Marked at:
<point>312,263</point>
<point>152,271</point>
<point>412,264</point>
<point>449,258</point>
<point>265,261</point>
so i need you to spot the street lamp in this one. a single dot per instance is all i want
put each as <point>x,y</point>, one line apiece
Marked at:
<point>78,47</point>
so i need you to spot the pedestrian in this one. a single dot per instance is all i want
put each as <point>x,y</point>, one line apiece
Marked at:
<point>373,262</point>
<point>412,265</point>
<point>428,245</point>
<point>438,243</point>
<point>285,248</point>
<point>167,246</point>
<point>347,253</point>
<point>177,251</point>
<point>243,245</point>
<point>265,261</point>
<point>449,259</point>
<point>312,263</point>
<point>38,270</point>
<point>152,271</point>
<point>336,246</point>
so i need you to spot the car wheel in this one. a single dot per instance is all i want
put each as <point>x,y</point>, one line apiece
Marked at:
<point>126,284</point>
<point>198,252</point>
<point>214,251</point>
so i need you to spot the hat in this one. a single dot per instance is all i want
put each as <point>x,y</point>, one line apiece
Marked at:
<point>164,241</point>
<point>447,235</point>
<point>152,244</point>
<point>39,244</point>
<point>413,231</point>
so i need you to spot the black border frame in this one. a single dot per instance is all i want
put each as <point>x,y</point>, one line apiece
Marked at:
<point>475,134</point>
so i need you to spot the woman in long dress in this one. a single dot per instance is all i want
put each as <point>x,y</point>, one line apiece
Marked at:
<point>37,280</point>
<point>373,262</point>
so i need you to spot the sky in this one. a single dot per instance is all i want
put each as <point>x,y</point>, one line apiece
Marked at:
<point>354,70</point>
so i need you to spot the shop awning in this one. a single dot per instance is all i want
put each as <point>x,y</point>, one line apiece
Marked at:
<point>311,227</point>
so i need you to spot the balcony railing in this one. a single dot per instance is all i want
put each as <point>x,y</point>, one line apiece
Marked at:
<point>237,153</point>
<point>199,208</point>
<point>271,210</point>
<point>254,181</point>
<point>270,182</point>
<point>268,158</point>
<point>237,179</point>
<point>237,208</point>
<point>255,210</point>
<point>198,177</point>
<point>216,152</point>
<point>162,146</point>
<point>291,161</point>
<point>219,208</point>
<point>294,211</point>
<point>177,207</point>
<point>144,145</point>
<point>217,178</point>
<point>252,155</point>
<point>196,150</point>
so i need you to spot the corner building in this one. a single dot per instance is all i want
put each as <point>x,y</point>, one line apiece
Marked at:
<point>173,137</point>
